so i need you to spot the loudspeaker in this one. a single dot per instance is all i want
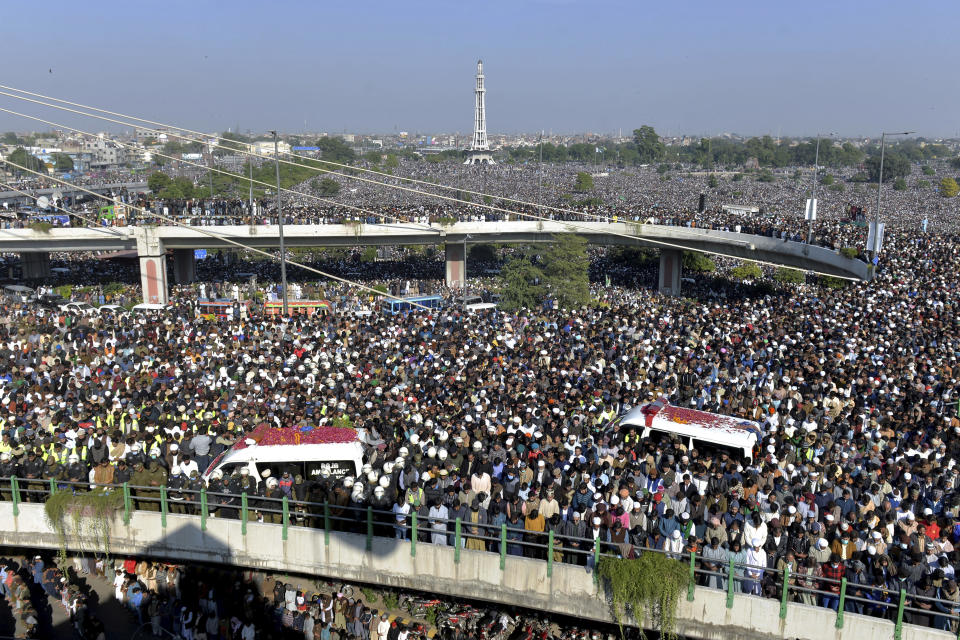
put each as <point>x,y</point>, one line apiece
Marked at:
<point>703,203</point>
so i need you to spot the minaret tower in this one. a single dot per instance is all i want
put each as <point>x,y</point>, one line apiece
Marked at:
<point>479,149</point>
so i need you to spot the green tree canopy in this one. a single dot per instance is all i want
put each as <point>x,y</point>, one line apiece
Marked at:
<point>62,163</point>
<point>789,276</point>
<point>23,159</point>
<point>231,142</point>
<point>895,165</point>
<point>158,181</point>
<point>584,182</point>
<point>648,144</point>
<point>336,150</point>
<point>949,187</point>
<point>178,189</point>
<point>328,187</point>
<point>521,286</point>
<point>899,184</point>
<point>747,271</point>
<point>699,262</point>
<point>565,271</point>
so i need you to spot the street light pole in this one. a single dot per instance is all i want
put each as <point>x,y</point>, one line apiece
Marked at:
<point>816,171</point>
<point>876,214</point>
<point>540,178</point>
<point>465,271</point>
<point>283,252</point>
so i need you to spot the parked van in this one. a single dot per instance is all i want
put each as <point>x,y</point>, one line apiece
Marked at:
<point>698,429</point>
<point>311,461</point>
<point>19,293</point>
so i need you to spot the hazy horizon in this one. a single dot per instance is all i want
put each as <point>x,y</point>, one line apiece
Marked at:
<point>557,65</point>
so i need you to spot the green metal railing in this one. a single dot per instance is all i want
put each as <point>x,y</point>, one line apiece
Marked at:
<point>199,505</point>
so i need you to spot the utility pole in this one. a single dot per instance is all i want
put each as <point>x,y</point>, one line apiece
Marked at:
<point>540,178</point>
<point>465,272</point>
<point>283,252</point>
<point>816,170</point>
<point>876,214</point>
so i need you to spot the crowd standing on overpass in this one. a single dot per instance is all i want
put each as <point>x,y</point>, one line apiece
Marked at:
<point>510,418</point>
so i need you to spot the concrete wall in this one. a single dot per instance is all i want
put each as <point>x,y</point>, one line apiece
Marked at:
<point>570,590</point>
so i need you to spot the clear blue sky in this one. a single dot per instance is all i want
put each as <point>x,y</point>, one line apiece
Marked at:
<point>749,67</point>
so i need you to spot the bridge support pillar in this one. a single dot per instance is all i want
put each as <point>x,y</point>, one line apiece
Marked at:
<point>153,266</point>
<point>35,264</point>
<point>671,268</point>
<point>456,263</point>
<point>184,266</point>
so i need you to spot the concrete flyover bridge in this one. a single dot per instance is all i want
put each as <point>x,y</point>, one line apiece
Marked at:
<point>489,576</point>
<point>153,242</point>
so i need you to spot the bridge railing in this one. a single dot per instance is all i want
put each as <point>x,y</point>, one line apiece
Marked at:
<point>790,584</point>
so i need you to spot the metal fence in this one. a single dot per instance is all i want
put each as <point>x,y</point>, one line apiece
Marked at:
<point>504,540</point>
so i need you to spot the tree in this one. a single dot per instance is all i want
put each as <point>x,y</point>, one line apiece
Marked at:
<point>747,271</point>
<point>231,142</point>
<point>23,159</point>
<point>649,146</point>
<point>923,184</point>
<point>391,161</point>
<point>335,150</point>
<point>928,170</point>
<point>328,187</point>
<point>789,276</point>
<point>520,284</point>
<point>565,271</point>
<point>949,188</point>
<point>9,138</point>
<point>62,163</point>
<point>699,262</point>
<point>373,157</point>
<point>833,283</point>
<point>766,176</point>
<point>826,180</point>
<point>894,166</point>
<point>899,184</point>
<point>179,189</point>
<point>369,254</point>
<point>712,182</point>
<point>955,162</point>
<point>584,182</point>
<point>158,181</point>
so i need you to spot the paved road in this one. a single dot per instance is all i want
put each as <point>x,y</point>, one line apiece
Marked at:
<point>55,624</point>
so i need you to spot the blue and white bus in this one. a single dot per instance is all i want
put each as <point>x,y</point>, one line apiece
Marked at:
<point>394,306</point>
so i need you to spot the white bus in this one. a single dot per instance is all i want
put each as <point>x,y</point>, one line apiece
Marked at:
<point>309,458</point>
<point>735,435</point>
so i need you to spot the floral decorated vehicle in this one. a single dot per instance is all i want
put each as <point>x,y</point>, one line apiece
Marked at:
<point>308,451</point>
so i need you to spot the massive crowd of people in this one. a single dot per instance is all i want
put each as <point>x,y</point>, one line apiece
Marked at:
<point>511,418</point>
